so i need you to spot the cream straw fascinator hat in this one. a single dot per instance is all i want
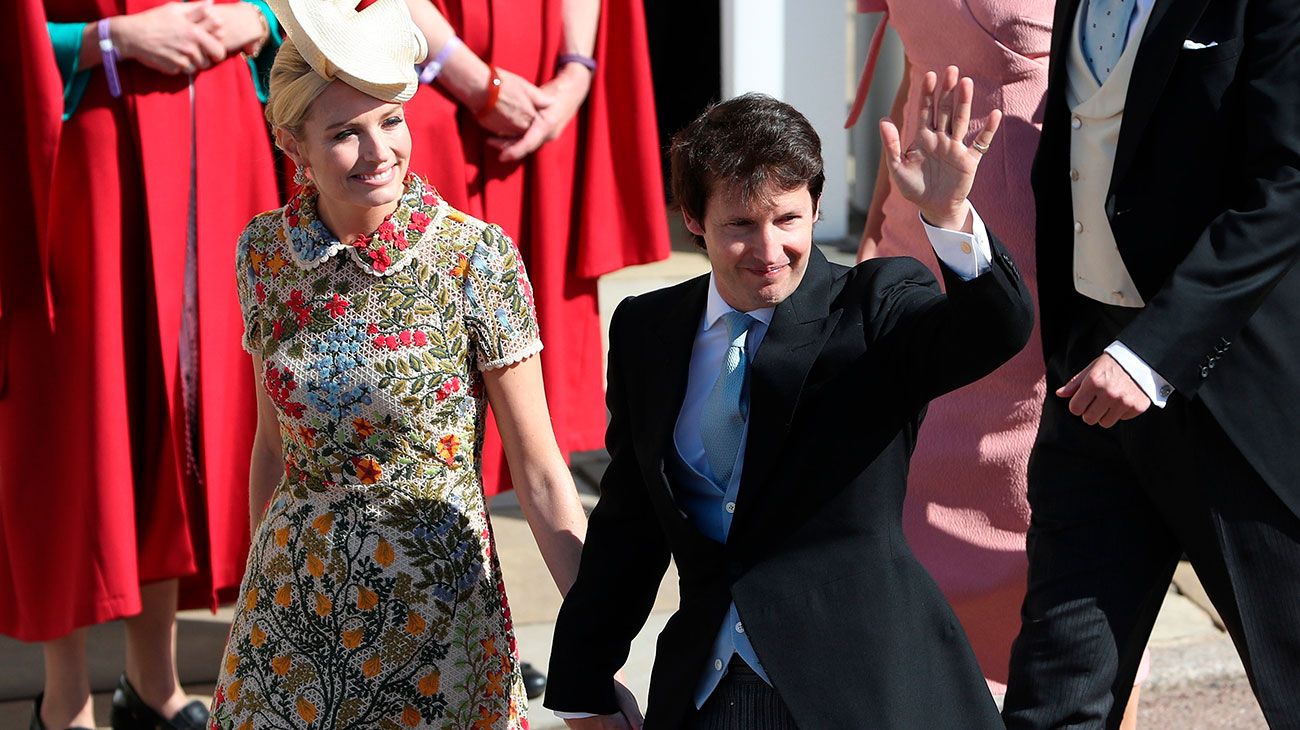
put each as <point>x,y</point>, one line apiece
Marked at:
<point>374,50</point>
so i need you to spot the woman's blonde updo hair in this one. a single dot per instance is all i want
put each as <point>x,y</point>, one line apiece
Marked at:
<point>294,86</point>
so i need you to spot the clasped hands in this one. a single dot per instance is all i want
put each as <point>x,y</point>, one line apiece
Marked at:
<point>185,37</point>
<point>526,116</point>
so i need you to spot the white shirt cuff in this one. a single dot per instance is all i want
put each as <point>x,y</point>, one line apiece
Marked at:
<point>573,715</point>
<point>967,254</point>
<point>1157,388</point>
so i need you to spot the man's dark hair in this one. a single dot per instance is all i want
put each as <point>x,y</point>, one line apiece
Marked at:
<point>746,143</point>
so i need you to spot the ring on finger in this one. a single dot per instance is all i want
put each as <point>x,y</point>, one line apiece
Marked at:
<point>979,147</point>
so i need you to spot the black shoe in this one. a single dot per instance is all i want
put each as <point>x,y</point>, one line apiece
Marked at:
<point>131,713</point>
<point>534,681</point>
<point>36,723</point>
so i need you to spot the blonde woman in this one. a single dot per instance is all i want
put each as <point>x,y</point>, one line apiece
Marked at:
<point>381,323</point>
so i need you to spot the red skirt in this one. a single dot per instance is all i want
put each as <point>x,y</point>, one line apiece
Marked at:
<point>95,493</point>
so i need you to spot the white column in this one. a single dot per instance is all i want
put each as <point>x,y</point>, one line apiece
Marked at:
<point>753,47</point>
<point>796,51</point>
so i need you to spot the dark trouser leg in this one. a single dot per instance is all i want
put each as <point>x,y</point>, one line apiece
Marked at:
<point>1165,483</point>
<point>1100,560</point>
<point>1249,562</point>
<point>743,701</point>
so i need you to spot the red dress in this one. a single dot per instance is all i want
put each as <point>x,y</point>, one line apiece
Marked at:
<point>585,204</point>
<point>95,493</point>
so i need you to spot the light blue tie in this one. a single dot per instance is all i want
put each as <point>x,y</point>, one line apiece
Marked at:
<point>727,407</point>
<point>1105,31</point>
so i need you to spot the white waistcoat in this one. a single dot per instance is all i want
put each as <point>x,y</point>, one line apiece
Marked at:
<point>1096,113</point>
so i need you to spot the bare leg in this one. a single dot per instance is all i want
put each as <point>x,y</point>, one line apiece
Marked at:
<point>67,686</point>
<point>151,649</point>
<point>1130,721</point>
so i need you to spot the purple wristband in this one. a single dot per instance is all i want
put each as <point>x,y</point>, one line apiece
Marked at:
<point>430,70</point>
<point>578,58</point>
<point>109,54</point>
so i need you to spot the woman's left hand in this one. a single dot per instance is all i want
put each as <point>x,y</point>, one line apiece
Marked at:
<point>568,90</point>
<point>938,168</point>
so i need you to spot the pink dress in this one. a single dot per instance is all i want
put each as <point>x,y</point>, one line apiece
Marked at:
<point>966,513</point>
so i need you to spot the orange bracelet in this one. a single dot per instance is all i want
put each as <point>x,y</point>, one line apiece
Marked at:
<point>493,92</point>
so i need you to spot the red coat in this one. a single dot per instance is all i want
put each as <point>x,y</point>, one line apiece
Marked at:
<point>95,497</point>
<point>585,204</point>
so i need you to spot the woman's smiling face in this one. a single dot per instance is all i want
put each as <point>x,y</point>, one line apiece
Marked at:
<point>355,148</point>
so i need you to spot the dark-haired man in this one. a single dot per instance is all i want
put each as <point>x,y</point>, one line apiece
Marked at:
<point>762,417</point>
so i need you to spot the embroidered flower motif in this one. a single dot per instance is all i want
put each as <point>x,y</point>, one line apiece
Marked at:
<point>280,385</point>
<point>447,447</point>
<point>275,263</point>
<point>380,260</point>
<point>487,719</point>
<point>336,306</point>
<point>447,388</point>
<point>368,471</point>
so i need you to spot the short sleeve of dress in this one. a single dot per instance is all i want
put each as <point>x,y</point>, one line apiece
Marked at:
<point>499,310</point>
<point>246,281</point>
<point>872,6</point>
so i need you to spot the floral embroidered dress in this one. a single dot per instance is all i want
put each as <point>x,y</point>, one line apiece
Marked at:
<point>373,597</point>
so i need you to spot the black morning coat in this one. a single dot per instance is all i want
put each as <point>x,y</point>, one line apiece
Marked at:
<point>1204,202</point>
<point>850,628</point>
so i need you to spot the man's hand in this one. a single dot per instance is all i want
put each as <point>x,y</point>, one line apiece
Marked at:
<point>938,168</point>
<point>1103,394</point>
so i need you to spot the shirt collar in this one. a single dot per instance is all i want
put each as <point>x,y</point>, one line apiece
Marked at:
<point>716,306</point>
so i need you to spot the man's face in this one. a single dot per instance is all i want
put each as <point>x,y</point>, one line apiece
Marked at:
<point>758,249</point>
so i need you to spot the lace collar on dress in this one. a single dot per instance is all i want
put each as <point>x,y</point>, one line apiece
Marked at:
<point>385,251</point>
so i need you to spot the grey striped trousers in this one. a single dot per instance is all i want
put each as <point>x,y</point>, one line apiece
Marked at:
<point>742,701</point>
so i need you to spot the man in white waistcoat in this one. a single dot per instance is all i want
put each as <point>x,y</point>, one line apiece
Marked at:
<point>1168,200</point>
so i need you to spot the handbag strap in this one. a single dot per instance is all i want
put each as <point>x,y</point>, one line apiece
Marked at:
<point>864,84</point>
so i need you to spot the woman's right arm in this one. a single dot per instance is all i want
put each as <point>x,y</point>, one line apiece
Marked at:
<point>466,77</point>
<point>266,467</point>
<point>876,213</point>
